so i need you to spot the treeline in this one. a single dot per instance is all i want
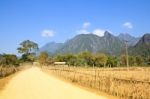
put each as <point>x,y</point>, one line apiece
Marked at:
<point>97,59</point>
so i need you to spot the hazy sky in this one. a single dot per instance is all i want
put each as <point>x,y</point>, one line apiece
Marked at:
<point>44,21</point>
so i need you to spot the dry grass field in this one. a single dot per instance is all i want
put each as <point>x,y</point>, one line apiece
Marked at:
<point>132,83</point>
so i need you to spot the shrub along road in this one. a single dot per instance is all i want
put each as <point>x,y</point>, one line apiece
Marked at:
<point>35,84</point>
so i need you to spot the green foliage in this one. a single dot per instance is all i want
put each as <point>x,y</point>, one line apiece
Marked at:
<point>139,60</point>
<point>60,58</point>
<point>83,59</point>
<point>112,61</point>
<point>100,60</point>
<point>148,60</point>
<point>70,59</point>
<point>86,58</point>
<point>43,58</point>
<point>132,61</point>
<point>28,46</point>
<point>123,60</point>
<point>9,60</point>
<point>28,49</point>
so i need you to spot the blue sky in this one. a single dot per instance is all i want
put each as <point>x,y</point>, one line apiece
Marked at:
<point>44,21</point>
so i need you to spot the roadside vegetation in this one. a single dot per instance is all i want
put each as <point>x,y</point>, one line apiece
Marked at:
<point>10,63</point>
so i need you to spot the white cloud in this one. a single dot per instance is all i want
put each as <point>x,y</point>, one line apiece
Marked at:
<point>83,31</point>
<point>99,32</point>
<point>128,25</point>
<point>86,25</point>
<point>47,33</point>
<point>84,28</point>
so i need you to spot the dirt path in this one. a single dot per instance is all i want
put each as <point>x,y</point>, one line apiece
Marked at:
<point>35,84</point>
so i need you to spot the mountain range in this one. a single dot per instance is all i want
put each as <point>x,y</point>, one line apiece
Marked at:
<point>109,44</point>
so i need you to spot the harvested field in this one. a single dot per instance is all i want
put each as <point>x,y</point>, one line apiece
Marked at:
<point>132,83</point>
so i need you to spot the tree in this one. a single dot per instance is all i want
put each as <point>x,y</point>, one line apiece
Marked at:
<point>148,60</point>
<point>60,58</point>
<point>28,49</point>
<point>112,61</point>
<point>139,60</point>
<point>123,60</point>
<point>132,60</point>
<point>86,58</point>
<point>43,58</point>
<point>100,59</point>
<point>9,60</point>
<point>2,60</point>
<point>70,59</point>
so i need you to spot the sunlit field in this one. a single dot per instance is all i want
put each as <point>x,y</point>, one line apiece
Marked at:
<point>132,83</point>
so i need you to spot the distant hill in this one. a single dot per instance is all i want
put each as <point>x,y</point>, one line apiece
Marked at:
<point>142,47</point>
<point>127,37</point>
<point>51,47</point>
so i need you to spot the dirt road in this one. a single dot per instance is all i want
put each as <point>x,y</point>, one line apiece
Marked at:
<point>35,84</point>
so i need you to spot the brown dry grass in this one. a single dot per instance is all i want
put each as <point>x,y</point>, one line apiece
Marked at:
<point>121,82</point>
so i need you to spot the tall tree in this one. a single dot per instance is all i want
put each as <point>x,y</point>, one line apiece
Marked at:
<point>27,49</point>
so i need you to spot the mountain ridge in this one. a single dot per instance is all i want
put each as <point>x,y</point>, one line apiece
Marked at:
<point>108,44</point>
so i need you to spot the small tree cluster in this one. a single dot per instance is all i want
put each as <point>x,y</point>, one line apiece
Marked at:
<point>9,60</point>
<point>43,58</point>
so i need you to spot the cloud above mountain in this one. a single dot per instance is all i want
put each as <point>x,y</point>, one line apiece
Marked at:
<point>128,25</point>
<point>86,25</point>
<point>99,32</point>
<point>47,33</point>
<point>85,30</point>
